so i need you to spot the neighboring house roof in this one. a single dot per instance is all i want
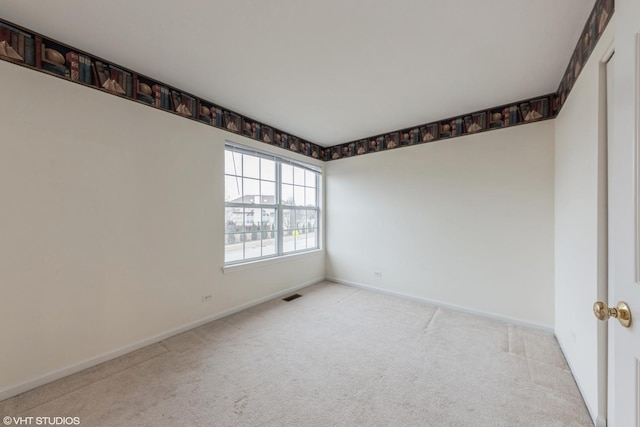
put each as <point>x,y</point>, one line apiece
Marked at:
<point>255,199</point>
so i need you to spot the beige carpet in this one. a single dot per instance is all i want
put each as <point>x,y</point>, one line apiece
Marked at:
<point>338,356</point>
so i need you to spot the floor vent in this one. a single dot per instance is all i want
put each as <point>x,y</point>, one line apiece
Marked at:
<point>291,297</point>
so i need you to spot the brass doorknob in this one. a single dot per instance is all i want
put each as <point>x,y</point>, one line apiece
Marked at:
<point>620,312</point>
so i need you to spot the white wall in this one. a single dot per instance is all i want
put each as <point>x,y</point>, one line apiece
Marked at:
<point>465,222</point>
<point>580,135</point>
<point>111,228</point>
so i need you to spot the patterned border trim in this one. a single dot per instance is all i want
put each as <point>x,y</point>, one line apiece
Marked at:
<point>32,50</point>
<point>35,51</point>
<point>594,27</point>
<point>517,113</point>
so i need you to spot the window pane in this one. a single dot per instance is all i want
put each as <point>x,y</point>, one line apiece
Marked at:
<point>249,218</point>
<point>298,195</point>
<point>246,219</point>
<point>312,239</point>
<point>288,219</point>
<point>288,236</point>
<point>287,194</point>
<point>267,219</point>
<point>241,214</point>
<point>267,169</point>
<point>233,248</point>
<point>310,179</point>
<point>301,220</point>
<point>312,218</point>
<point>301,240</point>
<point>234,220</point>
<point>268,192</point>
<point>298,176</point>
<point>267,232</point>
<point>252,245</point>
<point>232,163</point>
<point>251,190</point>
<point>232,188</point>
<point>231,239</point>
<point>287,174</point>
<point>300,230</point>
<point>251,237</point>
<point>251,166</point>
<point>268,247</point>
<point>310,196</point>
<point>288,244</point>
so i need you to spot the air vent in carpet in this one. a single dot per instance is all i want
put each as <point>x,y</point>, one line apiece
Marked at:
<point>291,297</point>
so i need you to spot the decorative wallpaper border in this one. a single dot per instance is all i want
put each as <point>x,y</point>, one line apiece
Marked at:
<point>594,27</point>
<point>32,50</point>
<point>517,113</point>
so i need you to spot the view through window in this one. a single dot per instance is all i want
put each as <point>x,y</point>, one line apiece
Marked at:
<point>271,205</point>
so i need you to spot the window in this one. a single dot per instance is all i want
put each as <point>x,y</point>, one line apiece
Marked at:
<point>271,205</point>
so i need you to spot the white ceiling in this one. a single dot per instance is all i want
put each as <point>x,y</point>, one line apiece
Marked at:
<point>329,71</point>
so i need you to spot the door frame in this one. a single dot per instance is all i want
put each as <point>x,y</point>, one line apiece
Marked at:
<point>605,128</point>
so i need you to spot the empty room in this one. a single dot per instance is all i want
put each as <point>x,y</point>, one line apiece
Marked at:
<point>336,213</point>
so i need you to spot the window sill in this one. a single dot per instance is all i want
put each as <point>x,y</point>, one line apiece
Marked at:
<point>264,262</point>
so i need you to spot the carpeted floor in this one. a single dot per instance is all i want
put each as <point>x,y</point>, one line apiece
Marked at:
<point>337,356</point>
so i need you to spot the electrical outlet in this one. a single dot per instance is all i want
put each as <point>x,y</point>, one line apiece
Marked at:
<point>377,274</point>
<point>207,298</point>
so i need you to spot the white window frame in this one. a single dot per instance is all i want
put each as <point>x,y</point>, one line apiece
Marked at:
<point>278,206</point>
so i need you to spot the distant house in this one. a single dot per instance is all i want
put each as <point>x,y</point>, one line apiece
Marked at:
<point>255,199</point>
<point>248,215</point>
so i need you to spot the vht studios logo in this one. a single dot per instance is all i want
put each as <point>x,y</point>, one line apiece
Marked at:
<point>41,421</point>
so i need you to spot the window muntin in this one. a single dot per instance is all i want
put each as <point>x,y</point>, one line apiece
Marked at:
<point>271,206</point>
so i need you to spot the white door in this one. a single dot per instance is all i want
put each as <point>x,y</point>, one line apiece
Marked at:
<point>624,280</point>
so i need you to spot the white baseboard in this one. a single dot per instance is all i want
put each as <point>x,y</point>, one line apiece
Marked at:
<point>598,420</point>
<point>11,391</point>
<point>481,313</point>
